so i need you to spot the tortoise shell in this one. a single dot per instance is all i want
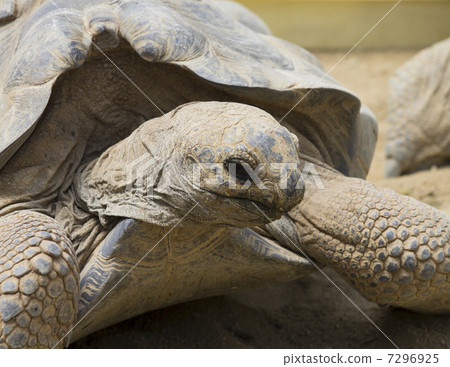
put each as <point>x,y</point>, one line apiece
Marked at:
<point>42,40</point>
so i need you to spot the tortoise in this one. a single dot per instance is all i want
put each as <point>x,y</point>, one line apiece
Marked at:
<point>143,166</point>
<point>418,136</point>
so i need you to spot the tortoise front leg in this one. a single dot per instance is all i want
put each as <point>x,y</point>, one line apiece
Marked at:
<point>39,282</point>
<point>395,250</point>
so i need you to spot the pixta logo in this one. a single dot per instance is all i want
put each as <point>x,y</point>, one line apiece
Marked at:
<point>240,176</point>
<point>143,175</point>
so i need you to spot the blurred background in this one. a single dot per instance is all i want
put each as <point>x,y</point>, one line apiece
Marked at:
<point>311,312</point>
<point>339,24</point>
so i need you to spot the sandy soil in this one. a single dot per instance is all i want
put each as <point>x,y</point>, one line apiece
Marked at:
<point>310,312</point>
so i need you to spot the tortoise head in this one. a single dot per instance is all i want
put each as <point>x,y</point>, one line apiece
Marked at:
<point>223,163</point>
<point>241,164</point>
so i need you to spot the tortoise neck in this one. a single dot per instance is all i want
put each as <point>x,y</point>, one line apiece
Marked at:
<point>83,228</point>
<point>137,178</point>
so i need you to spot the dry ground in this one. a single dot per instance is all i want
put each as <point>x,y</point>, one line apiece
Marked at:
<point>310,312</point>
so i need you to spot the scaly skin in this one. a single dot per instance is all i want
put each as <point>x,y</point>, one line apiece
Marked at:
<point>392,248</point>
<point>39,282</point>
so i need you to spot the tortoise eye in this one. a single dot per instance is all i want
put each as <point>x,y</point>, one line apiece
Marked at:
<point>237,169</point>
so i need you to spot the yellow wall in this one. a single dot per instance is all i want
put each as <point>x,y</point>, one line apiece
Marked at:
<point>337,24</point>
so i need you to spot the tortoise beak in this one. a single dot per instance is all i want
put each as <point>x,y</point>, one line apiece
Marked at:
<point>278,192</point>
<point>291,191</point>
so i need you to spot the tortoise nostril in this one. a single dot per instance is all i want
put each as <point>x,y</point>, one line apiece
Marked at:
<point>296,142</point>
<point>238,169</point>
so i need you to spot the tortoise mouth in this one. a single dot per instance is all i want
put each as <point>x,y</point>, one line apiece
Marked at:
<point>254,207</point>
